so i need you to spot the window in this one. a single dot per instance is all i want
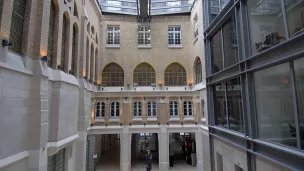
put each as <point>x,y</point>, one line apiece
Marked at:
<point>16,30</point>
<point>100,110</point>
<point>175,75</point>
<point>96,65</point>
<point>266,24</point>
<point>114,110</point>
<point>174,35</point>
<point>144,36</point>
<point>151,109</point>
<point>216,7</point>
<point>230,42</point>
<point>92,62</point>
<point>51,33</point>
<point>198,71</point>
<point>63,43</point>
<point>295,17</point>
<point>195,23</point>
<point>113,35</point>
<point>144,75</point>
<point>173,108</point>
<point>56,162</point>
<point>274,105</point>
<point>216,52</point>
<point>137,109</point>
<point>237,168</point>
<point>112,75</point>
<point>87,57</point>
<point>188,109</point>
<point>219,162</point>
<point>74,50</point>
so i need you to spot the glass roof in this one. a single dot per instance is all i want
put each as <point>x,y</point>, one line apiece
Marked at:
<point>158,7</point>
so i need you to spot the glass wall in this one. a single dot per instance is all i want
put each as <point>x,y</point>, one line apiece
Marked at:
<point>220,106</point>
<point>295,16</point>
<point>216,6</point>
<point>230,42</point>
<point>216,54</point>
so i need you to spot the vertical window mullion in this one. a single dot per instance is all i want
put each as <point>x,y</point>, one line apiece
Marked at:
<point>285,19</point>
<point>222,46</point>
<point>226,104</point>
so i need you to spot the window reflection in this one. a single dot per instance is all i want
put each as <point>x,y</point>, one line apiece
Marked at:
<point>266,24</point>
<point>274,105</point>
<point>234,104</point>
<point>299,78</point>
<point>220,105</point>
<point>230,42</point>
<point>295,16</point>
<point>216,55</point>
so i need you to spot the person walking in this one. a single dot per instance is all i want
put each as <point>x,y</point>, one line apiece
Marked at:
<point>148,159</point>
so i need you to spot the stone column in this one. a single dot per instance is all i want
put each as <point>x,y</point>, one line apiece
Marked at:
<point>163,141</point>
<point>199,151</point>
<point>125,149</point>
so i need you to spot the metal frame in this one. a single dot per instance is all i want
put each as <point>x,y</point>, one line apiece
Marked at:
<point>288,51</point>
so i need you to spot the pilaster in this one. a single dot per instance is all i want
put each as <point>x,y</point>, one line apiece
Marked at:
<point>199,151</point>
<point>163,139</point>
<point>125,149</point>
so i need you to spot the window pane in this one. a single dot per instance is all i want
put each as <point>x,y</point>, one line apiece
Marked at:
<point>274,104</point>
<point>230,42</point>
<point>220,105</point>
<point>234,99</point>
<point>216,52</point>
<point>266,24</point>
<point>299,75</point>
<point>295,17</point>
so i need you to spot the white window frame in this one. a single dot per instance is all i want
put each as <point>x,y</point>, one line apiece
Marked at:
<point>116,107</point>
<point>113,32</point>
<point>188,106</point>
<point>144,32</point>
<point>101,111</point>
<point>138,108</point>
<point>172,106</point>
<point>174,36</point>
<point>153,108</point>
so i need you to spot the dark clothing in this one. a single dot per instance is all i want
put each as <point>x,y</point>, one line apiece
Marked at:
<point>148,162</point>
<point>171,161</point>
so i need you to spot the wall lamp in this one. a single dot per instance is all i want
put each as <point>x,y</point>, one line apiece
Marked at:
<point>85,77</point>
<point>45,58</point>
<point>6,43</point>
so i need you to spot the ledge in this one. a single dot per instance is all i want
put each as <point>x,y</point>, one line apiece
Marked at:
<point>175,46</point>
<point>203,120</point>
<point>175,119</point>
<point>189,118</point>
<point>54,147</point>
<point>60,76</point>
<point>144,46</point>
<point>113,46</point>
<point>114,120</point>
<point>152,119</point>
<point>137,119</point>
<point>13,159</point>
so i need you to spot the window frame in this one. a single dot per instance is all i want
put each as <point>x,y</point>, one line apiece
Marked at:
<point>152,105</point>
<point>144,35</point>
<point>189,107</point>
<point>101,112</point>
<point>175,105</point>
<point>137,105</point>
<point>114,109</point>
<point>112,33</point>
<point>174,37</point>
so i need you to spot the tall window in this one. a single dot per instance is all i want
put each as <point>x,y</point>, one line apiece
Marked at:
<point>198,71</point>
<point>100,110</point>
<point>144,36</point>
<point>92,62</point>
<point>87,57</point>
<point>175,75</point>
<point>63,42</point>
<point>173,108</point>
<point>96,64</point>
<point>51,33</point>
<point>114,109</point>
<point>195,26</point>
<point>144,75</point>
<point>188,108</point>
<point>113,35</point>
<point>16,31</point>
<point>137,109</point>
<point>56,161</point>
<point>151,109</point>
<point>74,50</point>
<point>174,35</point>
<point>112,75</point>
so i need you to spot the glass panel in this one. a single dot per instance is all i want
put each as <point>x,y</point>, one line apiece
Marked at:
<point>295,16</point>
<point>230,42</point>
<point>220,105</point>
<point>274,103</point>
<point>216,52</point>
<point>266,24</point>
<point>299,78</point>
<point>234,103</point>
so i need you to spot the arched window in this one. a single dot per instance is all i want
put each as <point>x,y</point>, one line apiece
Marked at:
<point>144,75</point>
<point>173,108</point>
<point>96,64</point>
<point>151,109</point>
<point>198,71</point>
<point>137,109</point>
<point>100,110</point>
<point>114,110</point>
<point>112,75</point>
<point>16,30</point>
<point>92,63</point>
<point>175,75</point>
<point>74,49</point>
<point>188,108</point>
<point>63,42</point>
<point>51,33</point>
<point>87,57</point>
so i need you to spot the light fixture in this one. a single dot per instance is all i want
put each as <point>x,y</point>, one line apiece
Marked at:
<point>45,58</point>
<point>85,77</point>
<point>6,43</point>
